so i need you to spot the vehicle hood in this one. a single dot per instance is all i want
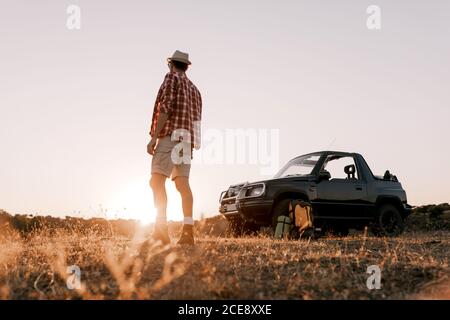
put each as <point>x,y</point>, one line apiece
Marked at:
<point>277,180</point>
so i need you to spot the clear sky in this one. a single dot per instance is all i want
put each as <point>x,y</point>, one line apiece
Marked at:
<point>76,105</point>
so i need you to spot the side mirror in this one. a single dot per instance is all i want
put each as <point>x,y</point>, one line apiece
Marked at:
<point>324,175</point>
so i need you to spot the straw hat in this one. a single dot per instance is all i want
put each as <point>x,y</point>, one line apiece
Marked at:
<point>180,56</point>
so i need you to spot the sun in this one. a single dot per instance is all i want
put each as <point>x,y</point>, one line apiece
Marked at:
<point>135,201</point>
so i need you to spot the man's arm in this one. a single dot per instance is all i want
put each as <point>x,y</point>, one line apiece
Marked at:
<point>159,125</point>
<point>168,89</point>
<point>197,124</point>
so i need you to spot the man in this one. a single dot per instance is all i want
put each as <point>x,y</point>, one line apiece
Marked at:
<point>174,133</point>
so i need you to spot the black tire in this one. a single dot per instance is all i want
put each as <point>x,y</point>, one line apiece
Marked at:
<point>281,208</point>
<point>388,222</point>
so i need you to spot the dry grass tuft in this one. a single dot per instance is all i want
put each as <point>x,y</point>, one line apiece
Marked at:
<point>121,265</point>
<point>413,266</point>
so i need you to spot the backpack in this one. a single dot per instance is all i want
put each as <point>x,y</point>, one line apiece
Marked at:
<point>283,228</point>
<point>301,216</point>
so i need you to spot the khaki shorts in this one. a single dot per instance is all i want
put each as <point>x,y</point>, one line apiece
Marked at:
<point>162,160</point>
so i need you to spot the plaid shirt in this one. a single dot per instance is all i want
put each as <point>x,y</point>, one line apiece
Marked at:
<point>181,100</point>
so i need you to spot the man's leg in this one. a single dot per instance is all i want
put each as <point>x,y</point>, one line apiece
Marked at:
<point>183,187</point>
<point>158,185</point>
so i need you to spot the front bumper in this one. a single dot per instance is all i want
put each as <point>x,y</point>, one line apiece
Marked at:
<point>229,208</point>
<point>255,210</point>
<point>251,209</point>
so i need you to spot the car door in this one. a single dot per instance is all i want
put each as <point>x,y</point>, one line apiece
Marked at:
<point>344,195</point>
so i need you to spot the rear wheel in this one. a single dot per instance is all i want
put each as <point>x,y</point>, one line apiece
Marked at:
<point>388,222</point>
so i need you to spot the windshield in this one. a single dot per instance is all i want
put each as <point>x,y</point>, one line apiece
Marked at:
<point>300,166</point>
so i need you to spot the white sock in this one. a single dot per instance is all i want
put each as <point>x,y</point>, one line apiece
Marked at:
<point>188,220</point>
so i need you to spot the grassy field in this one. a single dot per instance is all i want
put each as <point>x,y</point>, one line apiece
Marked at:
<point>34,266</point>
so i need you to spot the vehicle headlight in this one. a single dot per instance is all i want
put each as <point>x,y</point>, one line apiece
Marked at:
<point>255,191</point>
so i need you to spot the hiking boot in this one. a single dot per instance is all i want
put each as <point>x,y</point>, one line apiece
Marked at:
<point>161,233</point>
<point>187,235</point>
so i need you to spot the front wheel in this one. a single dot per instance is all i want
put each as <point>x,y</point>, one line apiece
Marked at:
<point>280,209</point>
<point>388,222</point>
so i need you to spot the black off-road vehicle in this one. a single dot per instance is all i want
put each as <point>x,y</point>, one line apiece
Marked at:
<point>340,187</point>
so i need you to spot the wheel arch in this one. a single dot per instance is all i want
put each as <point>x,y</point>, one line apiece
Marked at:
<point>393,200</point>
<point>288,195</point>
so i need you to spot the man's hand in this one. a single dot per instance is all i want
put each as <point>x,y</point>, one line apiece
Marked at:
<point>159,125</point>
<point>151,146</point>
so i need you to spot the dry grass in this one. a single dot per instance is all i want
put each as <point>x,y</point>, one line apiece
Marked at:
<point>414,265</point>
